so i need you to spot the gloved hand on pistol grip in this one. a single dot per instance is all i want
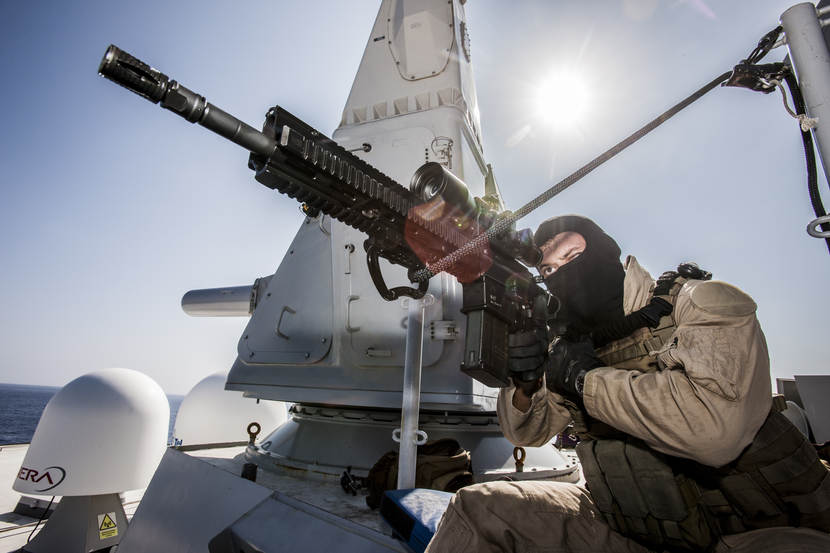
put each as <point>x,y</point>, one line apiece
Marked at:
<point>567,365</point>
<point>526,356</point>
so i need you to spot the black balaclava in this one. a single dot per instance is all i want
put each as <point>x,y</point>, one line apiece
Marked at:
<point>589,288</point>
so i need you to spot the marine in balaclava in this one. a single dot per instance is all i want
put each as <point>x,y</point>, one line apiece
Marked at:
<point>590,287</point>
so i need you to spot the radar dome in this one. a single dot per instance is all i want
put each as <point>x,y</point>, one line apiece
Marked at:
<point>104,432</point>
<point>209,414</point>
<point>798,417</point>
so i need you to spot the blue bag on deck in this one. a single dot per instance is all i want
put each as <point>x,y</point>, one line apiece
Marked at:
<point>414,514</point>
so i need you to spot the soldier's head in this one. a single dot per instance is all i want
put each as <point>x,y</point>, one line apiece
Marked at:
<point>559,250</point>
<point>581,267</point>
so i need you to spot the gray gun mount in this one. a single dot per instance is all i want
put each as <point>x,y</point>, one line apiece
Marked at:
<point>411,227</point>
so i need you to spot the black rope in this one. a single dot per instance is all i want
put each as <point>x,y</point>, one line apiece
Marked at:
<point>42,516</point>
<point>809,154</point>
<point>506,222</point>
<point>608,154</point>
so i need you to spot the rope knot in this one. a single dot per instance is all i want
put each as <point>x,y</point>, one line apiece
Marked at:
<point>807,123</point>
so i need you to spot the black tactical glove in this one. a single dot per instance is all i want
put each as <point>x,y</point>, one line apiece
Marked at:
<point>526,356</point>
<point>567,365</point>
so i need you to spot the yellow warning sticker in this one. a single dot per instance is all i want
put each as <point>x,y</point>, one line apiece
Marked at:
<point>107,528</point>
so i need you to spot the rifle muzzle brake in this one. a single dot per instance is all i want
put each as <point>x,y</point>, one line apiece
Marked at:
<point>133,74</point>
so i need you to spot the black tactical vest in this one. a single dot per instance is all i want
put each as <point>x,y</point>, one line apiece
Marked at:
<point>678,504</point>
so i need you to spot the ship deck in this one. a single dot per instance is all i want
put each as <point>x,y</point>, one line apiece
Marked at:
<point>324,493</point>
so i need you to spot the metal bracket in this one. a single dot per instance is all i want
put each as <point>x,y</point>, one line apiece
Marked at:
<point>349,327</point>
<point>349,250</point>
<point>380,284</point>
<point>519,455</point>
<point>812,227</point>
<point>374,352</point>
<point>760,78</point>
<point>285,309</point>
<point>322,223</point>
<point>257,291</point>
<point>421,437</point>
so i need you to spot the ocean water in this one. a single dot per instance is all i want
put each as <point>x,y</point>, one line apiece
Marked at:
<point>21,406</point>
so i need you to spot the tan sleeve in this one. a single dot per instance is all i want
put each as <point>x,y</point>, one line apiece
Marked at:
<point>714,392</point>
<point>545,418</point>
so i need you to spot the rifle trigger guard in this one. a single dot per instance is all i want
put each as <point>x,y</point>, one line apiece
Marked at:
<point>380,284</point>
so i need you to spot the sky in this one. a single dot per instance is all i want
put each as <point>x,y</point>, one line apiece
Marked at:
<point>111,209</point>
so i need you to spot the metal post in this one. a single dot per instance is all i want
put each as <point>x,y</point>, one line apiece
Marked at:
<point>811,62</point>
<point>410,436</point>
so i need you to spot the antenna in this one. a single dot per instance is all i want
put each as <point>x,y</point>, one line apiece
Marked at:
<point>103,433</point>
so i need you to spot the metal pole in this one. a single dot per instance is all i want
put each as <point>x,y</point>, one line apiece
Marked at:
<point>811,62</point>
<point>410,436</point>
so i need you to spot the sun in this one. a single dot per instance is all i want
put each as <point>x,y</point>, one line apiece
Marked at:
<point>563,99</point>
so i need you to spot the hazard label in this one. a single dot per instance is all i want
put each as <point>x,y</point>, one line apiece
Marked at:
<point>107,528</point>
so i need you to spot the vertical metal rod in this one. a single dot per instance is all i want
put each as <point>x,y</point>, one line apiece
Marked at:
<point>408,453</point>
<point>811,62</point>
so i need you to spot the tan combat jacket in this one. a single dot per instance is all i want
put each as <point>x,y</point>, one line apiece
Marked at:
<point>707,401</point>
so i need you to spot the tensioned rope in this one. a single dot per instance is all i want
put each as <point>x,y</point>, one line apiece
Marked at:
<point>505,222</point>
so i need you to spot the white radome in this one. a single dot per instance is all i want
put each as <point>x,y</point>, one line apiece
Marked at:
<point>104,432</point>
<point>209,414</point>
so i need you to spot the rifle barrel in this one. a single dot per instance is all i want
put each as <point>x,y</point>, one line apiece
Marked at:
<point>135,75</point>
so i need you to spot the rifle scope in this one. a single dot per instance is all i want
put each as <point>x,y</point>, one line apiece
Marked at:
<point>133,74</point>
<point>433,179</point>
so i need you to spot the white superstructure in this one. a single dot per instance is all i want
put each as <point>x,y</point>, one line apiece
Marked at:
<point>337,341</point>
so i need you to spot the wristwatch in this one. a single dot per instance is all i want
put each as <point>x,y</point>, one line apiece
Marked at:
<point>579,382</point>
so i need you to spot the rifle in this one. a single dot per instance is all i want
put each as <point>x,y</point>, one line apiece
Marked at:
<point>412,227</point>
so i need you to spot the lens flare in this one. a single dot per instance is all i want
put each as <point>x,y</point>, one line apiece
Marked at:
<point>563,99</point>
<point>436,229</point>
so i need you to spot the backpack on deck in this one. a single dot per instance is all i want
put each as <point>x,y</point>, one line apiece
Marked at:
<point>441,465</point>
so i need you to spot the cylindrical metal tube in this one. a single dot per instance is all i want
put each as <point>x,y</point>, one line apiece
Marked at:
<point>237,131</point>
<point>811,62</point>
<point>133,74</point>
<point>433,179</point>
<point>408,453</point>
<point>233,301</point>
